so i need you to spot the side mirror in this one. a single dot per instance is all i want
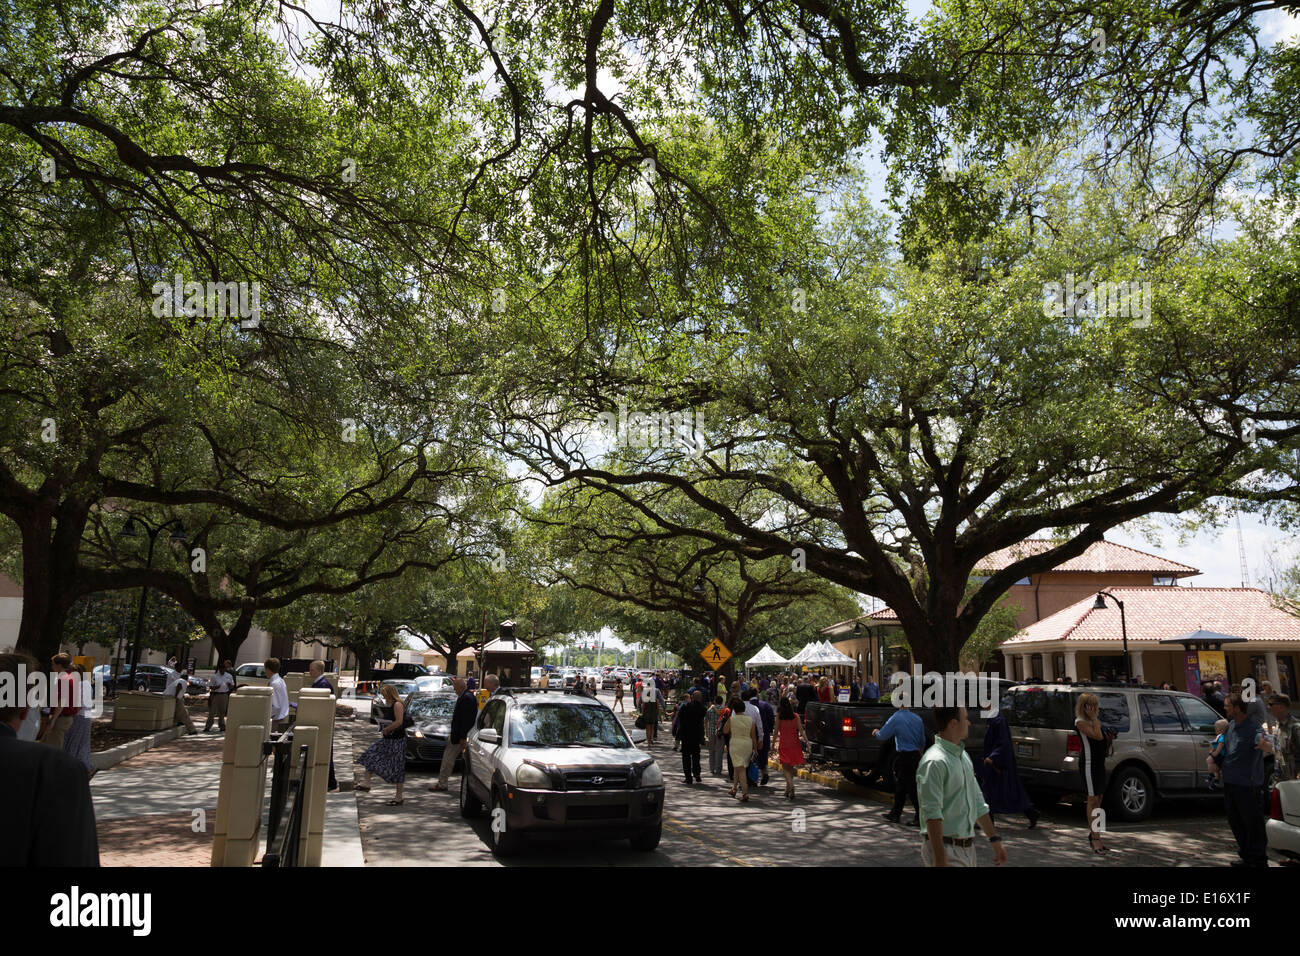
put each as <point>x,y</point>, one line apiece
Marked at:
<point>638,735</point>
<point>489,736</point>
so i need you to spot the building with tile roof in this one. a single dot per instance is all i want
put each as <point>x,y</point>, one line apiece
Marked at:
<point>872,638</point>
<point>1084,642</point>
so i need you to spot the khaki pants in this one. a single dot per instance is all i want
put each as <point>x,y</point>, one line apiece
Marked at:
<point>183,717</point>
<point>449,755</point>
<point>218,705</point>
<point>957,855</point>
<point>58,730</point>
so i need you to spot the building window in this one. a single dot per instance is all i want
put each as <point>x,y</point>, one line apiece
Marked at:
<point>1162,581</point>
<point>1036,665</point>
<point>1058,666</point>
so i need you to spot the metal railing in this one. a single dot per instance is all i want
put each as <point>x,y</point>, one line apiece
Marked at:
<point>285,790</point>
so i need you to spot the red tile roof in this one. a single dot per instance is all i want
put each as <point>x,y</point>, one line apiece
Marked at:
<point>1155,613</point>
<point>1100,558</point>
<point>884,614</point>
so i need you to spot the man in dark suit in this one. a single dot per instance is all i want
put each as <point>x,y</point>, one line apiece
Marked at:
<point>462,722</point>
<point>690,734</point>
<point>46,814</point>
<point>804,693</point>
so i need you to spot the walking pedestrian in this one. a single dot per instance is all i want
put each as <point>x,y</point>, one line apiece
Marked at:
<point>999,777</point>
<point>279,696</point>
<point>712,717</point>
<point>387,755</point>
<point>77,742</point>
<point>618,696</point>
<point>1288,742</point>
<point>906,728</point>
<point>742,746</point>
<point>463,716</point>
<point>1243,782</point>
<point>1095,743</point>
<point>803,694</point>
<point>951,802</point>
<point>181,717</point>
<point>871,691</point>
<point>824,693</point>
<point>650,710</point>
<point>690,733</point>
<point>219,688</point>
<point>62,707</point>
<point>790,740</point>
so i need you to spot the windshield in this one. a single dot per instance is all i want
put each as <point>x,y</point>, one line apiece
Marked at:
<point>561,725</point>
<point>403,687</point>
<point>432,708</point>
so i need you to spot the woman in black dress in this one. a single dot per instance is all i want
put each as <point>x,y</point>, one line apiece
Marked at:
<point>387,755</point>
<point>1092,763</point>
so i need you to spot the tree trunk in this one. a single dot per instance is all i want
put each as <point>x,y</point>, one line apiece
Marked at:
<point>48,586</point>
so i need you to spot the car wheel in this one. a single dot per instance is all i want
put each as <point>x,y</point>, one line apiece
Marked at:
<point>470,805</point>
<point>504,842</point>
<point>647,840</point>
<point>1131,795</point>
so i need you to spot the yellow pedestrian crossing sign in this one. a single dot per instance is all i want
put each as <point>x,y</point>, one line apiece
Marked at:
<point>716,654</point>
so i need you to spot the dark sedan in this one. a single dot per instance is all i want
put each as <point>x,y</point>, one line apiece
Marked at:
<point>431,712</point>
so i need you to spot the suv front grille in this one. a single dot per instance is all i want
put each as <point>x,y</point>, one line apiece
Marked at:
<point>596,780</point>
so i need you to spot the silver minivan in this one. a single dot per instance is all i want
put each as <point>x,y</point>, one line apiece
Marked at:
<point>1162,738</point>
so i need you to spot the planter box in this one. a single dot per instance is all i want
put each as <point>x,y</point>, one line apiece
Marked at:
<point>140,710</point>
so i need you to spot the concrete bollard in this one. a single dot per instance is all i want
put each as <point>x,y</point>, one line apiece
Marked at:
<point>315,728</point>
<point>243,778</point>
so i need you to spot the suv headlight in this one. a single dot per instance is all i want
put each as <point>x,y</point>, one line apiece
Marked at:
<point>532,778</point>
<point>652,776</point>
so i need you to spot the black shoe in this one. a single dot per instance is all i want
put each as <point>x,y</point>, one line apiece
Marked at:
<point>1033,817</point>
<point>763,781</point>
<point>698,780</point>
<point>893,819</point>
<point>915,822</point>
<point>688,781</point>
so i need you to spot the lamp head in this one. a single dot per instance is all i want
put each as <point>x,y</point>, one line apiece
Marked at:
<point>1100,603</point>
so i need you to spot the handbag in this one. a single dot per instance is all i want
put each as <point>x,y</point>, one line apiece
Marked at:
<point>640,722</point>
<point>752,770</point>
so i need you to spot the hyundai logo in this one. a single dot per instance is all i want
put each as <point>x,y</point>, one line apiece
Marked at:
<point>597,781</point>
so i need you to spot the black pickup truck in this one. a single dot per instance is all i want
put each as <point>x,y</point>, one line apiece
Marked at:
<point>841,735</point>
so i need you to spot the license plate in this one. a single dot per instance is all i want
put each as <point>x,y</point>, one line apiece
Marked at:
<point>1024,750</point>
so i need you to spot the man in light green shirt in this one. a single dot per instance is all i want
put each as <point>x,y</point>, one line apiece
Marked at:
<point>950,798</point>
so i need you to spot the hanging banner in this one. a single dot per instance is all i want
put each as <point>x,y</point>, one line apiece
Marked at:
<point>1192,672</point>
<point>1214,666</point>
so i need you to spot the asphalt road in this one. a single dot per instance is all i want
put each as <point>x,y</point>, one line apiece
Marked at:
<point>703,826</point>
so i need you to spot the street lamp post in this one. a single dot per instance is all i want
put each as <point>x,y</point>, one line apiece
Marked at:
<point>1100,605</point>
<point>717,605</point>
<point>129,531</point>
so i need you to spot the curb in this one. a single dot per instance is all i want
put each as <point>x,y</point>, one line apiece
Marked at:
<point>839,784</point>
<point>114,756</point>
<point>341,841</point>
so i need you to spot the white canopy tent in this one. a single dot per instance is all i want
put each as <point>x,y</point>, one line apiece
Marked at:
<point>766,658</point>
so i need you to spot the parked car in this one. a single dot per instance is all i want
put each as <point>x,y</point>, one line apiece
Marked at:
<point>1162,740</point>
<point>379,709</point>
<point>556,762</point>
<point>154,678</point>
<point>1283,825</point>
<point>611,679</point>
<point>433,683</point>
<point>427,739</point>
<point>402,672</point>
<point>251,675</point>
<point>535,676</point>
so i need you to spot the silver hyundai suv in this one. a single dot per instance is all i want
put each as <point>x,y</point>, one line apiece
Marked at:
<point>550,760</point>
<point>1162,738</point>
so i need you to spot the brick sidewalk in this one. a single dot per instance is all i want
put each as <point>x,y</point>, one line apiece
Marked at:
<point>163,838</point>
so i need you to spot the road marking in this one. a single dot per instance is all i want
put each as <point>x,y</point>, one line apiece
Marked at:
<point>709,844</point>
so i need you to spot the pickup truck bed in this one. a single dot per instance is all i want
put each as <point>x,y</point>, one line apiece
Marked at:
<point>841,735</point>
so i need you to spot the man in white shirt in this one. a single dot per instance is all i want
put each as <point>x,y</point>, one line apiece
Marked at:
<point>650,710</point>
<point>279,696</point>
<point>220,686</point>
<point>182,712</point>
